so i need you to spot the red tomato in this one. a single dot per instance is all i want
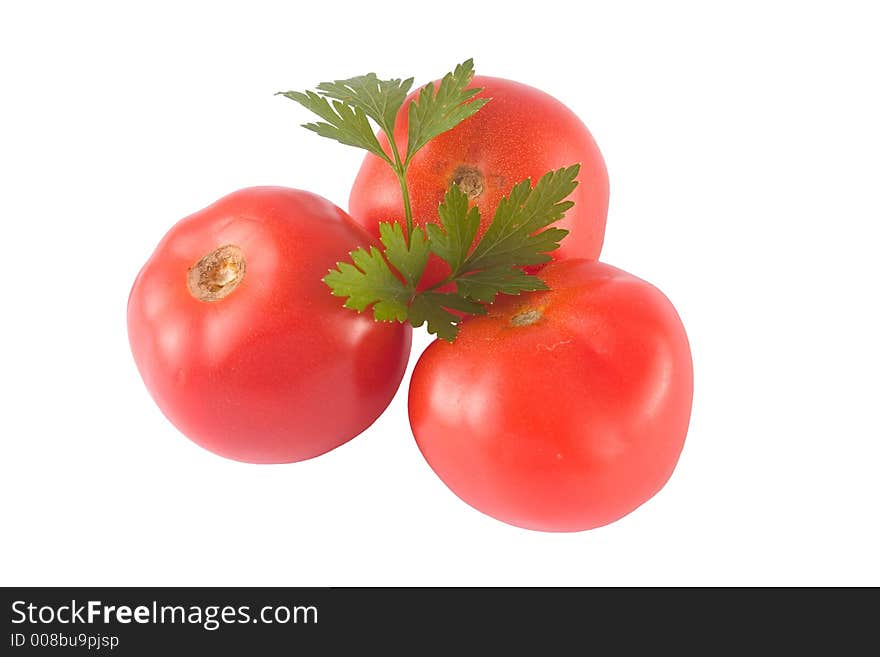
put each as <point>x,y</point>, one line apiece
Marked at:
<point>521,133</point>
<point>240,342</point>
<point>561,410</point>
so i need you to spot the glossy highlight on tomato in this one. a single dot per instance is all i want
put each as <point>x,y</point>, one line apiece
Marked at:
<point>560,410</point>
<point>241,344</point>
<point>521,133</point>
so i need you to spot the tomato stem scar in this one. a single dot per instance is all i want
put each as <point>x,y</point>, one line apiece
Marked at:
<point>469,180</point>
<point>527,317</point>
<point>217,274</point>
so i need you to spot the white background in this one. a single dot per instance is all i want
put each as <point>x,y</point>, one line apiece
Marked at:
<point>744,154</point>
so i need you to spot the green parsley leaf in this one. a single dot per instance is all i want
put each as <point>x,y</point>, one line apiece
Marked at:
<point>409,259</point>
<point>370,281</point>
<point>512,237</point>
<point>484,285</point>
<point>347,106</point>
<point>431,308</point>
<point>497,272</point>
<point>452,239</point>
<point>432,114</point>
<point>379,99</point>
<point>345,123</point>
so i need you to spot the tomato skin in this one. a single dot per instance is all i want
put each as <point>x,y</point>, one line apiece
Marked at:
<point>521,133</point>
<point>277,371</point>
<point>568,423</point>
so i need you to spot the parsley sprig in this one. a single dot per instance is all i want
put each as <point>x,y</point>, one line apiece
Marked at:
<point>346,107</point>
<point>388,279</point>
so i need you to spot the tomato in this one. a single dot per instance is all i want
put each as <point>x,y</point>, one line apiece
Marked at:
<point>561,410</point>
<point>521,133</point>
<point>240,342</point>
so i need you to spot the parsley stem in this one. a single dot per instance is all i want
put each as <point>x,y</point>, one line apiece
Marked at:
<point>407,207</point>
<point>400,167</point>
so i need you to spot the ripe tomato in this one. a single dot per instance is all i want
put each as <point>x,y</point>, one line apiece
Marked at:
<point>561,410</point>
<point>240,342</point>
<point>522,133</point>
